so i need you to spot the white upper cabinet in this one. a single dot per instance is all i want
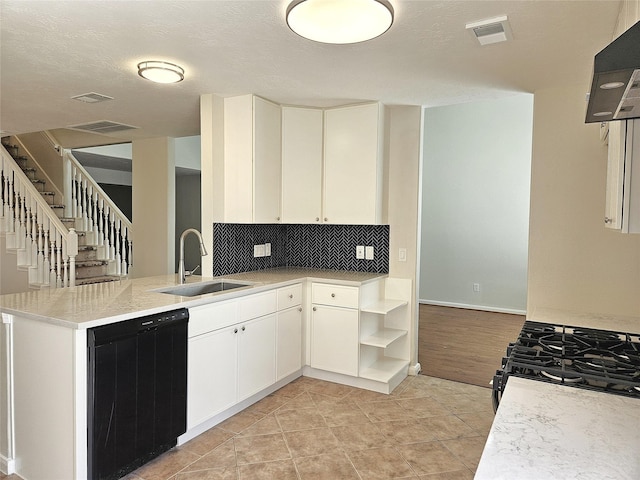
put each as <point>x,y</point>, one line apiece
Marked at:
<point>266,161</point>
<point>622,206</point>
<point>251,161</point>
<point>271,164</point>
<point>301,165</point>
<point>353,164</point>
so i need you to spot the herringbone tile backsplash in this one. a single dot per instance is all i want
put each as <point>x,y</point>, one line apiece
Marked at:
<point>310,246</point>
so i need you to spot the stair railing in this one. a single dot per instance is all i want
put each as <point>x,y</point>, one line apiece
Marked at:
<point>42,242</point>
<point>97,215</point>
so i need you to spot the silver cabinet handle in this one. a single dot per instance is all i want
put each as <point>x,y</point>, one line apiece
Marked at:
<point>314,309</point>
<point>333,295</point>
<point>317,219</point>
<point>326,219</point>
<point>244,328</point>
<point>291,295</point>
<point>608,220</point>
<point>300,309</point>
<point>278,219</point>
<point>235,330</point>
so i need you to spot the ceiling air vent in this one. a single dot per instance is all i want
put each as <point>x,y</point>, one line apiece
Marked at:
<point>92,97</point>
<point>492,30</point>
<point>103,126</point>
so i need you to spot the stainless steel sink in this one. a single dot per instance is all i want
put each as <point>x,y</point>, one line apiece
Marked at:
<point>195,289</point>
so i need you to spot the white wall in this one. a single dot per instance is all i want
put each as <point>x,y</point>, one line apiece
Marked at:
<point>12,280</point>
<point>111,177</point>
<point>188,152</point>
<point>120,150</point>
<point>153,195</point>
<point>475,204</point>
<point>403,142</point>
<point>575,263</point>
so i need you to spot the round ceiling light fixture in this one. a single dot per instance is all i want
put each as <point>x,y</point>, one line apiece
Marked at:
<point>160,72</point>
<point>340,21</point>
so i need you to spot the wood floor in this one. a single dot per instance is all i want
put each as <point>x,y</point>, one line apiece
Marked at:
<point>464,345</point>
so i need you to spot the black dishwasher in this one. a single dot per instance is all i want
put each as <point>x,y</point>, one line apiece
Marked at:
<point>137,391</point>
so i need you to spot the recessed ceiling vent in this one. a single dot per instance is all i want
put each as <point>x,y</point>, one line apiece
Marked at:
<point>92,97</point>
<point>103,126</point>
<point>492,30</point>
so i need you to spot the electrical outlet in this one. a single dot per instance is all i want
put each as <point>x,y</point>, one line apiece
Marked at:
<point>255,251</point>
<point>360,252</point>
<point>402,254</point>
<point>368,253</point>
<point>258,250</point>
<point>476,287</point>
<point>267,249</point>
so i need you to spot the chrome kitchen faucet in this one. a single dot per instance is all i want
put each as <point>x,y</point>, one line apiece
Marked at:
<point>182,274</point>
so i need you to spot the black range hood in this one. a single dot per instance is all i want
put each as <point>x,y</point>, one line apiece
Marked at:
<point>615,89</point>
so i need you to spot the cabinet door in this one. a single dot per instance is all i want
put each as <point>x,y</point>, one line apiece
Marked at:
<point>615,175</point>
<point>256,355</point>
<point>352,165</point>
<point>212,374</point>
<point>334,339</point>
<point>266,161</point>
<point>237,166</point>
<point>301,165</point>
<point>289,342</point>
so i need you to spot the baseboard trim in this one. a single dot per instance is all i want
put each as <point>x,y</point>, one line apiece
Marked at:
<point>483,308</point>
<point>7,465</point>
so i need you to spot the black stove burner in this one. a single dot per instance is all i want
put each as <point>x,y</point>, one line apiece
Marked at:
<point>581,357</point>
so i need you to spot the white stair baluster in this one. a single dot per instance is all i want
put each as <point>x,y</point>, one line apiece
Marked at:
<point>101,223</point>
<point>46,264</point>
<point>58,261</point>
<point>117,252</point>
<point>123,249</point>
<point>112,227</point>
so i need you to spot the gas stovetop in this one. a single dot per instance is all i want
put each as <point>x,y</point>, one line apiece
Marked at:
<point>580,357</point>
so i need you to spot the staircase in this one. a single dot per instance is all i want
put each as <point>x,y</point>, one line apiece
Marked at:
<point>63,239</point>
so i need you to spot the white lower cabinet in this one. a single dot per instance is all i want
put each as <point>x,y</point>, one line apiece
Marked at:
<point>362,332</point>
<point>256,355</point>
<point>334,339</point>
<point>289,341</point>
<point>238,348</point>
<point>212,375</point>
<point>231,355</point>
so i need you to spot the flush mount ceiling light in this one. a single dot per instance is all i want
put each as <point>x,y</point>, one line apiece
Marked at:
<point>160,72</point>
<point>339,21</point>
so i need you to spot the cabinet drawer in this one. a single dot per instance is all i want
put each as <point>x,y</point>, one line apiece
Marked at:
<point>289,296</point>
<point>207,318</point>
<point>336,295</point>
<point>255,306</point>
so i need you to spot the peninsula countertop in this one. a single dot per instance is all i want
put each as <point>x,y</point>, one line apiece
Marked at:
<point>544,431</point>
<point>98,304</point>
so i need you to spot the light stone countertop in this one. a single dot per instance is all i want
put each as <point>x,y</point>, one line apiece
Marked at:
<point>618,323</point>
<point>544,431</point>
<point>98,304</point>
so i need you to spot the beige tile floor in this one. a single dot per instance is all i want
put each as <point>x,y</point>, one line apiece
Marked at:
<point>428,428</point>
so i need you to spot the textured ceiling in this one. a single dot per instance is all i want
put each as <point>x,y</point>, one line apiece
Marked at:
<point>53,50</point>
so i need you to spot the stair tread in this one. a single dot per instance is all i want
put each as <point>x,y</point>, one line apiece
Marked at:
<point>91,263</point>
<point>100,279</point>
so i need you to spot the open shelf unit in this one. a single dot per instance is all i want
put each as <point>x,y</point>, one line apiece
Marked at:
<point>384,328</point>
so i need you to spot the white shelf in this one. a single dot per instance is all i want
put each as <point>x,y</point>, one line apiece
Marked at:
<point>384,370</point>
<point>383,338</point>
<point>383,307</point>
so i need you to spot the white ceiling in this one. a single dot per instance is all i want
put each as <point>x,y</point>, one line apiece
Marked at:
<point>53,50</point>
